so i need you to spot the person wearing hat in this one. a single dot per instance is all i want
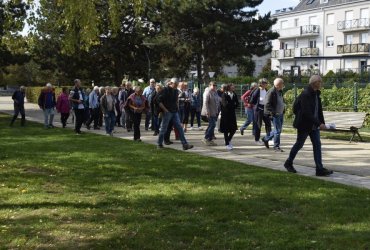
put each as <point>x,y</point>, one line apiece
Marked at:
<point>94,108</point>
<point>47,103</point>
<point>18,98</point>
<point>168,102</point>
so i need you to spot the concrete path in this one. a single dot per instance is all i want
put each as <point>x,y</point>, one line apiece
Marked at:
<point>350,161</point>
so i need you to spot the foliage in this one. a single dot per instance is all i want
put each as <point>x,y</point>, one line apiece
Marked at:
<point>33,93</point>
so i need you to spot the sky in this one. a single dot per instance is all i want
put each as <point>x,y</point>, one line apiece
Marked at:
<point>272,5</point>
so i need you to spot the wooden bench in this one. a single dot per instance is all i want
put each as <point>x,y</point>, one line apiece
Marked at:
<point>345,122</point>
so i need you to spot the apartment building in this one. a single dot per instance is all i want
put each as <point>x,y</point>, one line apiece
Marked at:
<point>323,35</point>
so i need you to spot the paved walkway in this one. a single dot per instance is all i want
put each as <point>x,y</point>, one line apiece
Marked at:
<point>350,161</point>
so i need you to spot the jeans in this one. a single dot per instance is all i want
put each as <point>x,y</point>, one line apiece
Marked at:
<point>48,116</point>
<point>194,112</point>
<point>210,131</point>
<point>278,126</point>
<point>123,118</point>
<point>109,120</point>
<point>174,117</point>
<point>155,124</point>
<point>316,145</point>
<point>249,112</point>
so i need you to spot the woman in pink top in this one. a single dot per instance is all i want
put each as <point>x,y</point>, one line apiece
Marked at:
<point>63,106</point>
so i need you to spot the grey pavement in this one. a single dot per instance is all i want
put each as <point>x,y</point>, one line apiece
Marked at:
<point>350,161</point>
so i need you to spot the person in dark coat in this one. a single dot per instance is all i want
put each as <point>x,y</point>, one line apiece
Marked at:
<point>309,120</point>
<point>228,125</point>
<point>18,98</point>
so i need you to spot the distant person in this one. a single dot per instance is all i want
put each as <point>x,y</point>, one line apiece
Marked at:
<point>229,104</point>
<point>137,104</point>
<point>47,102</point>
<point>147,93</point>
<point>77,97</point>
<point>249,109</point>
<point>107,106</point>
<point>156,110</point>
<point>168,102</point>
<point>195,108</point>
<point>211,107</point>
<point>63,106</point>
<point>94,109</point>
<point>308,121</point>
<point>274,108</point>
<point>18,99</point>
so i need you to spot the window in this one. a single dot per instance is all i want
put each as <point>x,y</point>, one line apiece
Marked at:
<point>364,38</point>
<point>349,39</point>
<point>364,13</point>
<point>296,22</point>
<point>329,41</point>
<point>312,44</point>
<point>330,19</point>
<point>296,43</point>
<point>349,15</point>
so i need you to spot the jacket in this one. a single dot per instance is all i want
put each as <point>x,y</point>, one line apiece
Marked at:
<point>305,119</point>
<point>271,101</point>
<point>43,102</point>
<point>104,104</point>
<point>75,94</point>
<point>63,105</point>
<point>211,104</point>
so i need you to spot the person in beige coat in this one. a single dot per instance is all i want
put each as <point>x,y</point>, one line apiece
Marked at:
<point>210,110</point>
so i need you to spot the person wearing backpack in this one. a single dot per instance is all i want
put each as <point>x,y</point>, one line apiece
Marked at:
<point>309,121</point>
<point>258,99</point>
<point>249,108</point>
<point>274,108</point>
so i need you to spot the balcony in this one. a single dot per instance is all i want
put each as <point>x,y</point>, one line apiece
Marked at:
<point>309,51</point>
<point>354,25</point>
<point>275,54</point>
<point>303,31</point>
<point>288,53</point>
<point>359,48</point>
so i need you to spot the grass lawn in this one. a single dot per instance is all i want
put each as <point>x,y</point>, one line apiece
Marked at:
<point>62,191</point>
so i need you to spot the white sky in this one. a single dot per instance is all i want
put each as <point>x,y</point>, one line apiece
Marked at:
<point>272,5</point>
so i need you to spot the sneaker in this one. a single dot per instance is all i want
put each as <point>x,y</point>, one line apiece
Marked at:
<point>278,149</point>
<point>324,172</point>
<point>266,143</point>
<point>205,141</point>
<point>228,147</point>
<point>191,128</point>
<point>212,143</point>
<point>231,146</point>
<point>168,142</point>
<point>258,142</point>
<point>242,131</point>
<point>187,146</point>
<point>289,167</point>
<point>200,128</point>
<point>160,146</point>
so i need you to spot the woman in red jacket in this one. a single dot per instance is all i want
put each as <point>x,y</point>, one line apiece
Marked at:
<point>63,106</point>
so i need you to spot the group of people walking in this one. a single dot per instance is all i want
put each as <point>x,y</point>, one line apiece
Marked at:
<point>168,107</point>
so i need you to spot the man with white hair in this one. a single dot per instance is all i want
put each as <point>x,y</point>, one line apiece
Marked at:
<point>47,102</point>
<point>168,102</point>
<point>274,108</point>
<point>147,93</point>
<point>18,98</point>
<point>94,108</point>
<point>308,121</point>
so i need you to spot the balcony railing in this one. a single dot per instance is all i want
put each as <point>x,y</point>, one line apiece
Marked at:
<point>309,51</point>
<point>310,29</point>
<point>275,54</point>
<point>353,48</point>
<point>307,30</point>
<point>355,24</point>
<point>289,53</point>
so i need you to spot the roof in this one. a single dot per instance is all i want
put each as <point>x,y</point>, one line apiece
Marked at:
<point>305,5</point>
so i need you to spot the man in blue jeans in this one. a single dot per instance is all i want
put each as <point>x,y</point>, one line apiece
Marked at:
<point>274,108</point>
<point>308,121</point>
<point>168,102</point>
<point>210,109</point>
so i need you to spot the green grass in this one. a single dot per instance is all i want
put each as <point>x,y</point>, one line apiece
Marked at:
<point>62,191</point>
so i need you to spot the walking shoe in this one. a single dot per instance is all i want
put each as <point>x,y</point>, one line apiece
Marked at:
<point>205,141</point>
<point>160,146</point>
<point>187,146</point>
<point>211,143</point>
<point>231,146</point>
<point>191,128</point>
<point>168,142</point>
<point>258,142</point>
<point>278,149</point>
<point>242,131</point>
<point>265,142</point>
<point>200,128</point>
<point>289,167</point>
<point>228,147</point>
<point>324,172</point>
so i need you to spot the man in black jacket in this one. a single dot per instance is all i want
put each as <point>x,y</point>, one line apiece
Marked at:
<point>309,120</point>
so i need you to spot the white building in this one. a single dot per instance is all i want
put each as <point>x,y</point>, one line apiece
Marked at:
<point>323,35</point>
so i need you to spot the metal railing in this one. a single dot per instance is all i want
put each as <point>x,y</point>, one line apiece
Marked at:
<point>310,29</point>
<point>353,48</point>
<point>275,54</point>
<point>362,23</point>
<point>289,53</point>
<point>309,51</point>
